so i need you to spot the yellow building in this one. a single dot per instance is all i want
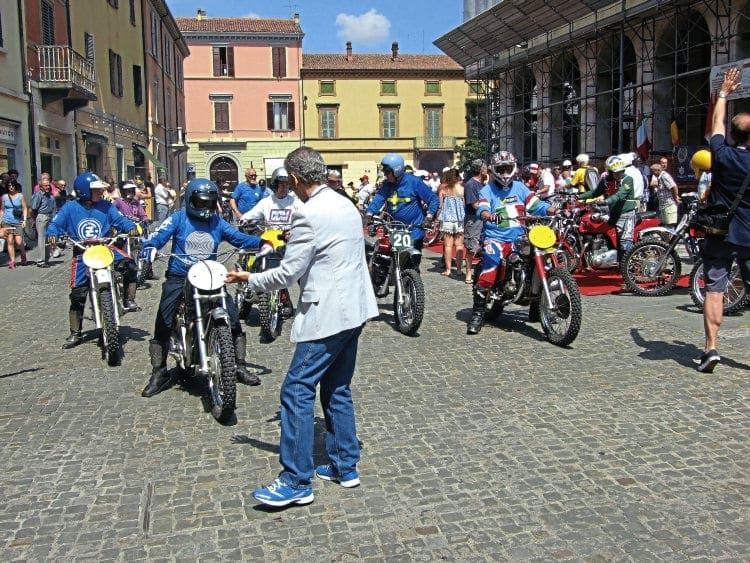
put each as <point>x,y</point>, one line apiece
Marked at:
<point>356,108</point>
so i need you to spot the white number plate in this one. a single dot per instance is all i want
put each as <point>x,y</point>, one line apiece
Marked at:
<point>401,239</point>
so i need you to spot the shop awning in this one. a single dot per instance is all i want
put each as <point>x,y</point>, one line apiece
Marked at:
<point>150,156</point>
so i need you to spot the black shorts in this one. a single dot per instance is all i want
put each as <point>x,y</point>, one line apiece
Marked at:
<point>718,256</point>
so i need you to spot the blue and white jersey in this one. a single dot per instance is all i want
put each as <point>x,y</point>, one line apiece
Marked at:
<point>195,240</point>
<point>80,223</point>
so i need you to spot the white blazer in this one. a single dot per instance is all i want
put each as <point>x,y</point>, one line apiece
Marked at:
<point>326,253</point>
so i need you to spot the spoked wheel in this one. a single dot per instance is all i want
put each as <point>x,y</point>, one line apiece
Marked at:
<point>410,311</point>
<point>734,295</point>
<point>561,315</point>
<point>433,234</point>
<point>222,384</point>
<point>269,310</point>
<point>641,271</point>
<point>110,330</point>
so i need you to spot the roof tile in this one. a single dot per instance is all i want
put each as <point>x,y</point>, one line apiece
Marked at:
<point>378,62</point>
<point>238,25</point>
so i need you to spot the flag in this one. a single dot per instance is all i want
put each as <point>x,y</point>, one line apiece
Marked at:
<point>642,143</point>
<point>674,131</point>
<point>709,117</point>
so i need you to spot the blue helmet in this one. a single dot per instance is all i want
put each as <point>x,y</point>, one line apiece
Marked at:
<point>201,196</point>
<point>82,185</point>
<point>395,162</point>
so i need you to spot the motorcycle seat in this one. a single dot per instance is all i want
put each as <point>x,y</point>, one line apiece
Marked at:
<point>645,215</point>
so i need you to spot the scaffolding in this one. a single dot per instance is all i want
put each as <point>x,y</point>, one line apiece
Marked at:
<point>588,91</point>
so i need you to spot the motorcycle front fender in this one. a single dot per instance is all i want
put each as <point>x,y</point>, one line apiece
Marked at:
<point>662,232</point>
<point>216,316</point>
<point>408,258</point>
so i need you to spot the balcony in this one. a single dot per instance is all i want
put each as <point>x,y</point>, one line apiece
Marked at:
<point>176,140</point>
<point>65,75</point>
<point>435,143</point>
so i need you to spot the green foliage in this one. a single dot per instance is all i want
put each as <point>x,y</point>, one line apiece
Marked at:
<point>471,149</point>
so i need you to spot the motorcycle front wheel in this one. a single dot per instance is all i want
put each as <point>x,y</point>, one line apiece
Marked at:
<point>110,330</point>
<point>223,384</point>
<point>269,310</point>
<point>410,312</point>
<point>561,317</point>
<point>640,269</point>
<point>734,295</point>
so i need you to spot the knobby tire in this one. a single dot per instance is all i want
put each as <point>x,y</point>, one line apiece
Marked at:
<point>409,315</point>
<point>110,330</point>
<point>220,350</point>
<point>646,253</point>
<point>269,311</point>
<point>567,306</point>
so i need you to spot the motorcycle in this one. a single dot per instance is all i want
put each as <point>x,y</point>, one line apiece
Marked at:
<point>145,268</point>
<point>104,292</point>
<point>201,342</point>
<point>533,275</point>
<point>393,261</point>
<point>271,304</point>
<point>652,268</point>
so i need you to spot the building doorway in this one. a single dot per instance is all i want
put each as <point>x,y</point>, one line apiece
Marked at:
<point>223,171</point>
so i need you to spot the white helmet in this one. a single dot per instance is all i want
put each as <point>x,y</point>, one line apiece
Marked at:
<point>503,166</point>
<point>583,159</point>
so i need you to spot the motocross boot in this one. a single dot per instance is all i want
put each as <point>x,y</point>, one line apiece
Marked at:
<point>477,311</point>
<point>130,305</point>
<point>160,378</point>
<point>240,352</point>
<point>75,338</point>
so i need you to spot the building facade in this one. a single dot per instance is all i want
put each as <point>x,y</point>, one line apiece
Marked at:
<point>585,75</point>
<point>359,107</point>
<point>242,83</point>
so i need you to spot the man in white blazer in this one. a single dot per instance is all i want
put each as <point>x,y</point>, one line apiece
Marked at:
<point>326,253</point>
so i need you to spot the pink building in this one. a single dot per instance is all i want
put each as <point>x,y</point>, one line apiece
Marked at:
<point>242,82</point>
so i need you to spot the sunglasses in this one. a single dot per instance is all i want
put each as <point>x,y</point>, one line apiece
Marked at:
<point>251,175</point>
<point>387,170</point>
<point>503,169</point>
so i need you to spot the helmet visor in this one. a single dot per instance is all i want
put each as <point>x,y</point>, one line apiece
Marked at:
<point>503,169</point>
<point>387,170</point>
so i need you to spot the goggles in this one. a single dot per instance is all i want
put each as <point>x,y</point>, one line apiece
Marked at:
<point>387,170</point>
<point>199,203</point>
<point>503,168</point>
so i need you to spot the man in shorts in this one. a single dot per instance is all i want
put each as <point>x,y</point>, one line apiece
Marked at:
<point>472,223</point>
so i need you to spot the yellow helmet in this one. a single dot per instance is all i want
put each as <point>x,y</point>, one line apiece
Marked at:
<point>701,161</point>
<point>615,164</point>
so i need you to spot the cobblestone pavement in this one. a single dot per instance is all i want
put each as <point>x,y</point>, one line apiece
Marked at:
<point>495,447</point>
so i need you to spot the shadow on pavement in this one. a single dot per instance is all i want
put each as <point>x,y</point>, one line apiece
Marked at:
<point>682,353</point>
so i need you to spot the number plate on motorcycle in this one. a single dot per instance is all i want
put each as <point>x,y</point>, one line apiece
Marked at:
<point>400,239</point>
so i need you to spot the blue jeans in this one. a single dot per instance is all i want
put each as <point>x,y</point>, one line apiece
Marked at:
<point>329,361</point>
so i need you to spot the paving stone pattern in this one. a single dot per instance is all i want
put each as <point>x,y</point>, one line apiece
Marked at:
<point>495,447</point>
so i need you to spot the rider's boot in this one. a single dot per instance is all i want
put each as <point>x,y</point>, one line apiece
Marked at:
<point>477,311</point>
<point>76,320</point>
<point>160,378</point>
<point>130,304</point>
<point>240,354</point>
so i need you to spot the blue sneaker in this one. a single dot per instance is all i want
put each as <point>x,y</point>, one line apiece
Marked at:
<point>279,493</point>
<point>349,479</point>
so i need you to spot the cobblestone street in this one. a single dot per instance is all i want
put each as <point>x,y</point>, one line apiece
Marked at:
<point>493,447</point>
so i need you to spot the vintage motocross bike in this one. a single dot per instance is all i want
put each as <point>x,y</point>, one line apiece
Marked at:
<point>201,342</point>
<point>271,304</point>
<point>393,261</point>
<point>533,275</point>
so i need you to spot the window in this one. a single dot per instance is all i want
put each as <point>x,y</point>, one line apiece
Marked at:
<point>221,116</point>
<point>476,88</point>
<point>132,12</point>
<point>388,87</point>
<point>115,73</point>
<point>223,58</point>
<point>114,3</point>
<point>432,88</point>
<point>137,85</point>
<point>48,23</point>
<point>280,115</point>
<point>389,122</point>
<point>88,44</point>
<point>154,35</point>
<point>328,121</point>
<point>433,122</point>
<point>167,56</point>
<point>178,71</point>
<point>278,58</point>
<point>327,88</point>
<point>1,31</point>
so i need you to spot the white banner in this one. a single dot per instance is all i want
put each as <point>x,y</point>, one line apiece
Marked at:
<point>717,77</point>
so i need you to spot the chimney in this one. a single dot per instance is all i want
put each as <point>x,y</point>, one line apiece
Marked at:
<point>296,19</point>
<point>349,51</point>
<point>201,14</point>
<point>394,50</point>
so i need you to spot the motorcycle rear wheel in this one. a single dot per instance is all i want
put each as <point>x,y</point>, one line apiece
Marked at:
<point>639,268</point>
<point>220,350</point>
<point>409,314</point>
<point>110,330</point>
<point>269,310</point>
<point>561,318</point>
<point>734,295</point>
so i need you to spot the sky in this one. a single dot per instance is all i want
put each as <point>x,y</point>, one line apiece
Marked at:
<point>328,24</point>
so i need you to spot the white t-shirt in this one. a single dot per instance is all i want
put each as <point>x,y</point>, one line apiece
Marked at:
<point>547,179</point>
<point>364,192</point>
<point>274,212</point>
<point>161,195</point>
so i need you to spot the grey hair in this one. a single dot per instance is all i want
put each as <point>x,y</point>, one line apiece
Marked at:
<point>307,165</point>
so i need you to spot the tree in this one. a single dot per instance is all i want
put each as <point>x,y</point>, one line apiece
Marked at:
<point>471,149</point>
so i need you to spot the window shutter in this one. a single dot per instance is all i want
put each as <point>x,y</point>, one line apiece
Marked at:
<point>221,116</point>
<point>282,64</point>
<point>112,70</point>
<point>230,61</point>
<point>119,76</point>
<point>290,115</point>
<point>217,62</point>
<point>269,115</point>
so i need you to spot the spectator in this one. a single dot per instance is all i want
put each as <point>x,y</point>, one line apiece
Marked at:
<point>162,199</point>
<point>15,214</point>
<point>42,209</point>
<point>545,187</point>
<point>246,194</point>
<point>364,192</point>
<point>111,192</point>
<point>667,194</point>
<point>434,181</point>
<point>452,212</point>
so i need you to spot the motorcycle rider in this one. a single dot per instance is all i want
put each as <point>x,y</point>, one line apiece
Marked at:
<point>619,194</point>
<point>501,202</point>
<point>404,195</point>
<point>196,232</point>
<point>91,217</point>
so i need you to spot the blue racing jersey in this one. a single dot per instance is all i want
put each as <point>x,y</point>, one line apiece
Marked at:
<point>195,240</point>
<point>404,201</point>
<point>508,204</point>
<point>80,223</point>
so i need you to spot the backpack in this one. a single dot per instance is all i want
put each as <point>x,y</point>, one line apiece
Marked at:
<point>591,179</point>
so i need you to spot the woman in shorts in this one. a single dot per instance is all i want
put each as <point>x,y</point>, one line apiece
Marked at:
<point>14,213</point>
<point>452,213</point>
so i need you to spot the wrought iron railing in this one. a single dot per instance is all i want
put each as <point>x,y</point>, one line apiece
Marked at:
<point>62,67</point>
